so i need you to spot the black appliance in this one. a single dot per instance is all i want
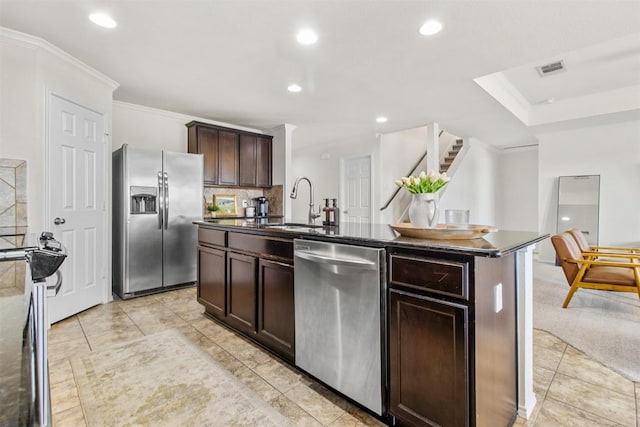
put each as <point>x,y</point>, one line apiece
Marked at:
<point>262,206</point>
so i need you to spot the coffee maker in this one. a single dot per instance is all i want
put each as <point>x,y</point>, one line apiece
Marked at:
<point>262,206</point>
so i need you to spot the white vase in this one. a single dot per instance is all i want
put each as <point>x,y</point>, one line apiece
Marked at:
<point>423,211</point>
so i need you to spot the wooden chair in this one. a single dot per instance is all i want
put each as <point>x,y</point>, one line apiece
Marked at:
<point>620,272</point>
<point>584,246</point>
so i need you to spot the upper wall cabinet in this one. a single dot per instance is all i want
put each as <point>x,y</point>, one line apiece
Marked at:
<point>231,157</point>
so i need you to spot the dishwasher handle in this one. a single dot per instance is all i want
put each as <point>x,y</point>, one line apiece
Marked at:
<point>347,262</point>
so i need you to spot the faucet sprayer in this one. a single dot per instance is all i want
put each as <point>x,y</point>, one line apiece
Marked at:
<point>294,194</point>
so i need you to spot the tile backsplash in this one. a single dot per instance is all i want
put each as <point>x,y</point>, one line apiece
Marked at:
<point>13,213</point>
<point>274,195</point>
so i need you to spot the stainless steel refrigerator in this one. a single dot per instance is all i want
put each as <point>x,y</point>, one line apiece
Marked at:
<point>156,197</point>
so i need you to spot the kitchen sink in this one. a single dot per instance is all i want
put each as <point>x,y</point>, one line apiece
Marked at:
<point>294,226</point>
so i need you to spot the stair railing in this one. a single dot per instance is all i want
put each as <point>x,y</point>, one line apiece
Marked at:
<point>411,172</point>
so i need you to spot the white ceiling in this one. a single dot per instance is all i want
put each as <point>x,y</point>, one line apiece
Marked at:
<point>233,60</point>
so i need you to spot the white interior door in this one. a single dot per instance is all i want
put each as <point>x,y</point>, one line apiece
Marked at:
<point>76,203</point>
<point>357,205</point>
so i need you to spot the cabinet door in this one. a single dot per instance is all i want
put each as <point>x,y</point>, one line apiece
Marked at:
<point>211,280</point>
<point>208,147</point>
<point>276,316</point>
<point>241,291</point>
<point>228,161</point>
<point>248,160</point>
<point>428,361</point>
<point>263,162</point>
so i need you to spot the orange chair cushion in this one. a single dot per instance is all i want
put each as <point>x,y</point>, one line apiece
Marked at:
<point>610,275</point>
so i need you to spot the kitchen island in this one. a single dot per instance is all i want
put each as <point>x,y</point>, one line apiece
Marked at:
<point>457,329</point>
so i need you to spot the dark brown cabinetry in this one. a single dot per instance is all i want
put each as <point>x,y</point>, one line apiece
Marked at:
<point>427,360</point>
<point>231,157</point>
<point>241,291</point>
<point>452,359</point>
<point>275,306</point>
<point>246,281</point>
<point>228,163</point>
<point>212,279</point>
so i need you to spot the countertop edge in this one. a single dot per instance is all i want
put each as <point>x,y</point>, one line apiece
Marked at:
<point>415,244</point>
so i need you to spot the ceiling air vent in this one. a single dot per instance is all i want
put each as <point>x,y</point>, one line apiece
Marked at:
<point>552,68</point>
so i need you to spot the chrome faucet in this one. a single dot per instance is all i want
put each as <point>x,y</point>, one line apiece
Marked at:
<point>294,194</point>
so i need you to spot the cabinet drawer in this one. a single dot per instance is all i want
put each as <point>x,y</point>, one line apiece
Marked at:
<point>211,237</point>
<point>262,245</point>
<point>440,276</point>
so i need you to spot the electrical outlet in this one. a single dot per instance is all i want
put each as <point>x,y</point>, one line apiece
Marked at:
<point>244,204</point>
<point>497,298</point>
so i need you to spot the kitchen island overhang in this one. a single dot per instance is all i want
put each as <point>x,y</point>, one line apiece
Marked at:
<point>513,255</point>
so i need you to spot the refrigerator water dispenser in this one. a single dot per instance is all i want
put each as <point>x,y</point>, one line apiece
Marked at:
<point>144,200</point>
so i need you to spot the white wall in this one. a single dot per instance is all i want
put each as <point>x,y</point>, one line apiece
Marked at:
<point>517,198</point>
<point>399,152</point>
<point>474,185</point>
<point>31,67</point>
<point>146,127</point>
<point>321,164</point>
<point>611,151</point>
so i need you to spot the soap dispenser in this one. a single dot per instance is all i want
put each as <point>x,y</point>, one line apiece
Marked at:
<point>326,211</point>
<point>335,213</point>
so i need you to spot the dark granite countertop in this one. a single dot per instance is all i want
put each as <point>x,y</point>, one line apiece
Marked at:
<point>496,244</point>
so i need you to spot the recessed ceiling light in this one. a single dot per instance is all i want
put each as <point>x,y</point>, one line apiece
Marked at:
<point>381,119</point>
<point>307,36</point>
<point>103,20</point>
<point>294,88</point>
<point>430,28</point>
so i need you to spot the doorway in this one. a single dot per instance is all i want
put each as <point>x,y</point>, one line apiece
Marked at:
<point>357,190</point>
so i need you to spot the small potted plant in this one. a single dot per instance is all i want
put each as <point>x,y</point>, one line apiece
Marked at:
<point>423,211</point>
<point>212,209</point>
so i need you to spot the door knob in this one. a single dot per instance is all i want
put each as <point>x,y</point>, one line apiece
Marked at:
<point>59,221</point>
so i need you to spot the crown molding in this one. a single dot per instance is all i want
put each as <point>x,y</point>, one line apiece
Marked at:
<point>182,117</point>
<point>32,42</point>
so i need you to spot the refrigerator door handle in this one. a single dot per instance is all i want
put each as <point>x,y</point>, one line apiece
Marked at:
<point>160,201</point>
<point>166,201</point>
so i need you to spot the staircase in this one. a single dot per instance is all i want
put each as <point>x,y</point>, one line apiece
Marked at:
<point>445,163</point>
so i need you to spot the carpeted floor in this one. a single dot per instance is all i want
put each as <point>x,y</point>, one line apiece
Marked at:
<point>604,325</point>
<point>167,382</point>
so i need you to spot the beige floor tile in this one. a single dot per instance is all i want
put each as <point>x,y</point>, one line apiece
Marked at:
<point>545,339</point>
<point>113,321</point>
<point>60,371</point>
<point>244,351</point>
<point>541,381</point>
<point>554,414</point>
<point>72,417</point>
<point>293,412</point>
<point>66,349</point>
<point>157,319</point>
<point>594,399</point>
<point>256,383</point>
<point>211,329</point>
<point>64,396</point>
<point>575,364</point>
<point>225,359</point>
<point>279,375</point>
<point>113,337</point>
<point>65,330</point>
<point>546,358</point>
<point>362,416</point>
<point>315,403</point>
<point>347,420</point>
<point>637,404</point>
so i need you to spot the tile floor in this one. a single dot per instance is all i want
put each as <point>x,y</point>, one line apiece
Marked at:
<point>572,390</point>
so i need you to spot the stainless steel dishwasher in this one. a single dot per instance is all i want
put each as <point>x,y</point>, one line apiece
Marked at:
<point>339,314</point>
